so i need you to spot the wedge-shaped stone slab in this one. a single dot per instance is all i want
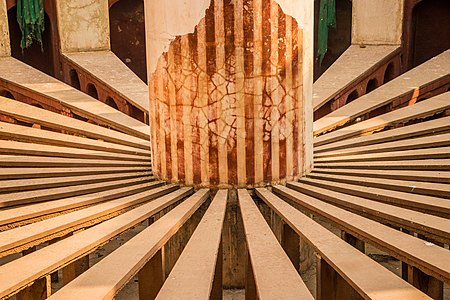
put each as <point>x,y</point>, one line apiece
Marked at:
<point>105,279</point>
<point>367,277</point>
<point>275,276</point>
<point>192,276</point>
<point>21,272</point>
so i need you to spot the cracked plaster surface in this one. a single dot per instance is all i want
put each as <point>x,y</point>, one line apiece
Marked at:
<point>206,84</point>
<point>169,19</point>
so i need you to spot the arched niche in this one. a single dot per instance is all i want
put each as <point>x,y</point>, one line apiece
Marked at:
<point>353,96</point>
<point>92,91</point>
<point>7,94</point>
<point>339,38</point>
<point>389,73</point>
<point>430,30</point>
<point>127,31</point>
<point>74,79</point>
<point>371,85</point>
<point>110,101</point>
<point>43,58</point>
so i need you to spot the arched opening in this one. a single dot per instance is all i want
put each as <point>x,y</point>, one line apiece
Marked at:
<point>7,94</point>
<point>371,85</point>
<point>74,79</point>
<point>137,113</point>
<point>110,101</point>
<point>127,31</point>
<point>92,91</point>
<point>389,73</point>
<point>353,96</point>
<point>36,56</point>
<point>339,38</point>
<point>431,30</point>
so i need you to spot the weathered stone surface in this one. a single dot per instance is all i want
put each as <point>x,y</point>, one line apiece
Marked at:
<point>83,25</point>
<point>227,100</point>
<point>5,49</point>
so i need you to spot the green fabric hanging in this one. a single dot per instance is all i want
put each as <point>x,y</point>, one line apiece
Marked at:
<point>30,16</point>
<point>327,19</point>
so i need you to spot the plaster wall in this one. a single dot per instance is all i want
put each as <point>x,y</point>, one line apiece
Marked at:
<point>5,49</point>
<point>377,22</point>
<point>83,25</point>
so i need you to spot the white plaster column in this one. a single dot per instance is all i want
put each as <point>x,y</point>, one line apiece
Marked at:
<point>230,87</point>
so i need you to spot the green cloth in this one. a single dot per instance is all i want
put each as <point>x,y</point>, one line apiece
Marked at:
<point>30,16</point>
<point>327,19</point>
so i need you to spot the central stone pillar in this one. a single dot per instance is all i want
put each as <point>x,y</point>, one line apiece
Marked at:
<point>230,90</point>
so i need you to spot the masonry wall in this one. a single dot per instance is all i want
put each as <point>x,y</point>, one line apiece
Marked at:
<point>83,25</point>
<point>5,49</point>
<point>377,22</point>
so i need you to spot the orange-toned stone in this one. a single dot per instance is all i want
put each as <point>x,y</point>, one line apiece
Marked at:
<point>226,101</point>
